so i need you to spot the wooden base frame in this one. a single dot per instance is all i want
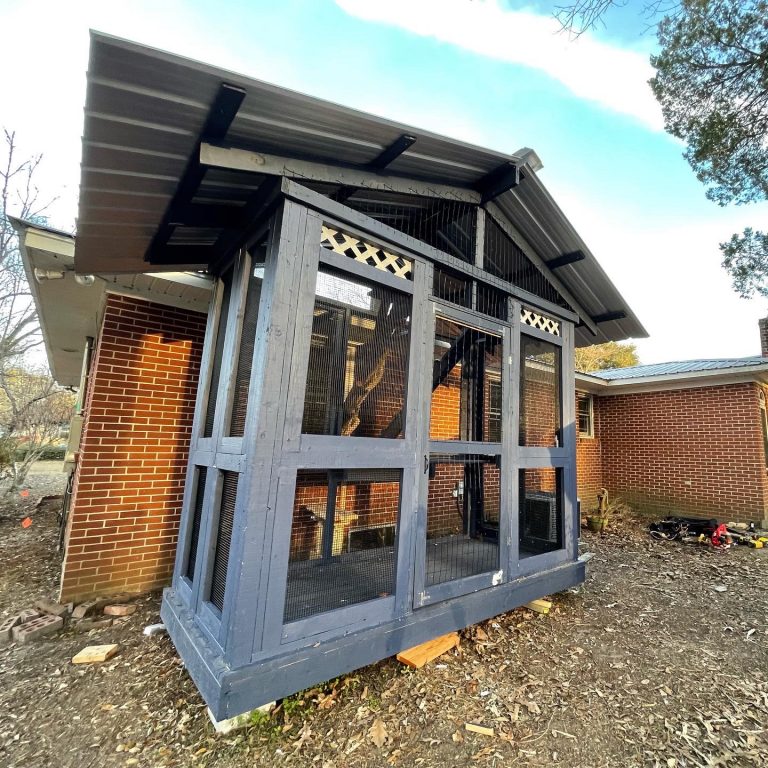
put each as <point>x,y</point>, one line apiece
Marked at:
<point>228,692</point>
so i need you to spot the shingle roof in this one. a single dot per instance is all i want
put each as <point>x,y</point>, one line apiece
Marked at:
<point>682,366</point>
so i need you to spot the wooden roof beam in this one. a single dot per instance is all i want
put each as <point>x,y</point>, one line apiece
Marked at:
<point>392,152</point>
<point>498,181</point>
<point>220,116</point>
<point>566,258</point>
<point>386,157</point>
<point>237,159</point>
<point>606,317</point>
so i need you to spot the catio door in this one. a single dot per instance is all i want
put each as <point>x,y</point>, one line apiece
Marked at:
<point>463,536</point>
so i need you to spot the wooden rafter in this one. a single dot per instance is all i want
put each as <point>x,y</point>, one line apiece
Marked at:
<point>220,117</point>
<point>565,259</point>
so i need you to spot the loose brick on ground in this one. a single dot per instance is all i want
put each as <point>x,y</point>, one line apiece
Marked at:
<point>86,625</point>
<point>119,610</point>
<point>55,609</point>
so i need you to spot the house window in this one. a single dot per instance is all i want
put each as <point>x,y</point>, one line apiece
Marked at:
<point>585,408</point>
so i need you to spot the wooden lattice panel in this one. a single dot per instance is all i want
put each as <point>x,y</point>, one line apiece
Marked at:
<point>542,322</point>
<point>354,248</point>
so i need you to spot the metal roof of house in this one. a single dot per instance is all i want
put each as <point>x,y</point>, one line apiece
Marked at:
<point>683,366</point>
<point>145,114</point>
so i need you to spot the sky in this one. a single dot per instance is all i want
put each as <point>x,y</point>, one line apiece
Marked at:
<point>496,73</point>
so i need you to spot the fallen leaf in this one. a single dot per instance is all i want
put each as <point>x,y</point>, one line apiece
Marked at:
<point>378,733</point>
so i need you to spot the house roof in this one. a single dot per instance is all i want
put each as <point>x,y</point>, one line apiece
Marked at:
<point>682,366</point>
<point>69,310</point>
<point>146,111</point>
<point>675,375</point>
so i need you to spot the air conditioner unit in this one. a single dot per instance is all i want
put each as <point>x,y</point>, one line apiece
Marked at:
<point>539,521</point>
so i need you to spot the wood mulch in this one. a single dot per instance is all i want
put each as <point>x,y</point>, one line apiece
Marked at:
<point>648,664</point>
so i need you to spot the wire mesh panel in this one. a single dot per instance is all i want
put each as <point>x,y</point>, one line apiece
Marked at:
<point>245,354</point>
<point>197,514</point>
<point>541,511</point>
<point>452,286</point>
<point>343,539</point>
<point>463,507</point>
<point>491,301</point>
<point>226,519</point>
<point>504,258</point>
<point>540,393</point>
<point>466,384</point>
<point>358,359</point>
<point>449,225</point>
<point>221,332</point>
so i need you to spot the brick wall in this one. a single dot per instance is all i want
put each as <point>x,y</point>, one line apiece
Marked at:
<point>589,467</point>
<point>130,478</point>
<point>690,451</point>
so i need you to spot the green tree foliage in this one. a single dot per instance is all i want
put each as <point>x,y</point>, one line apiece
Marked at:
<point>746,261</point>
<point>599,357</point>
<point>712,85</point>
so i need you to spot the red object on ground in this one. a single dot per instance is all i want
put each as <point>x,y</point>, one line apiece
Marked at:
<point>24,493</point>
<point>720,537</point>
<point>26,522</point>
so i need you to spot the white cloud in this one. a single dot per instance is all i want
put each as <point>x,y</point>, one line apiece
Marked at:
<point>612,77</point>
<point>670,274</point>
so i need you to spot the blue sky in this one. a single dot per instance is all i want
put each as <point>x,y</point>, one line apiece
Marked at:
<point>493,73</point>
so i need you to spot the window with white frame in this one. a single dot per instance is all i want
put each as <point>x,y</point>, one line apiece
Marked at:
<point>585,414</point>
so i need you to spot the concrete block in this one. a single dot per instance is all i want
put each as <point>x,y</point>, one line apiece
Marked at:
<point>6,629</point>
<point>28,614</point>
<point>37,628</point>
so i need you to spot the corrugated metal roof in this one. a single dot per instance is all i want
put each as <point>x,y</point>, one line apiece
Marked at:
<point>683,366</point>
<point>145,110</point>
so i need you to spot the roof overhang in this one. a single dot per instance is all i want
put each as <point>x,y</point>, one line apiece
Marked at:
<point>689,380</point>
<point>149,115</point>
<point>69,308</point>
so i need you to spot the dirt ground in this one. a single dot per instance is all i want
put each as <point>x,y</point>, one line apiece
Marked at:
<point>645,665</point>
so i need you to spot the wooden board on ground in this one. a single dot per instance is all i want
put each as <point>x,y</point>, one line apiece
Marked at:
<point>419,655</point>
<point>477,728</point>
<point>93,654</point>
<point>540,606</point>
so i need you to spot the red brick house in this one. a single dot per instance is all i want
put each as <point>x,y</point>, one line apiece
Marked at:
<point>688,437</point>
<point>131,344</point>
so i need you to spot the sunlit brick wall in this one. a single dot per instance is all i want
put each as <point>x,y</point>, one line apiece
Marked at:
<point>689,451</point>
<point>130,479</point>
